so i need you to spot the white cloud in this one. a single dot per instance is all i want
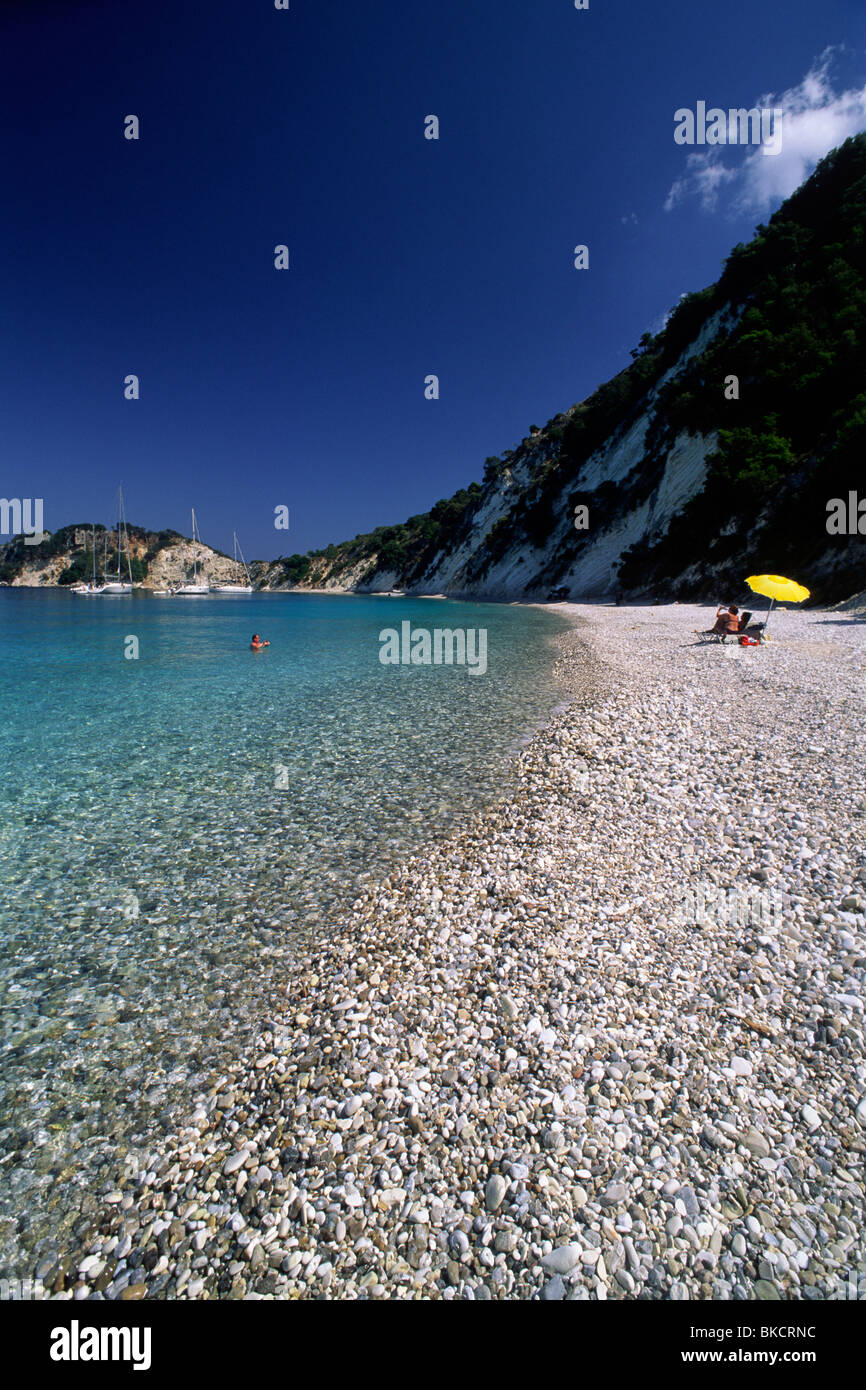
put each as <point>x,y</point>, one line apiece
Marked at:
<point>815,120</point>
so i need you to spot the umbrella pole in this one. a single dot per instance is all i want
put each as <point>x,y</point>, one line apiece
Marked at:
<point>769,611</point>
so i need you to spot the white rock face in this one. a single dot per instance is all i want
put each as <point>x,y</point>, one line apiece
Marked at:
<point>175,564</point>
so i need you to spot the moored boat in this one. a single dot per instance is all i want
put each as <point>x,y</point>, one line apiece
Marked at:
<point>91,590</point>
<point>237,587</point>
<point>119,585</point>
<point>195,589</point>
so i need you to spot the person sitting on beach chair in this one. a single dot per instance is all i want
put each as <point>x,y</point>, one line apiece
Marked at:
<point>730,622</point>
<point>727,621</point>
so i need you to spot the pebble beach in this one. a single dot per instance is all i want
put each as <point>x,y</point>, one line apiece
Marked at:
<point>606,1042</point>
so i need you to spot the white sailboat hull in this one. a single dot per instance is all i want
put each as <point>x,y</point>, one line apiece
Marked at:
<point>231,588</point>
<point>191,591</point>
<point>117,588</point>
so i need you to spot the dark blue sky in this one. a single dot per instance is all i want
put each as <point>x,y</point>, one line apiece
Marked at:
<point>408,257</point>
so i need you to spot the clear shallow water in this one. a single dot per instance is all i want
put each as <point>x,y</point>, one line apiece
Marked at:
<point>170,825</point>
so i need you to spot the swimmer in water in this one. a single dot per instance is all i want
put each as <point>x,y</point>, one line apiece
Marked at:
<point>257,643</point>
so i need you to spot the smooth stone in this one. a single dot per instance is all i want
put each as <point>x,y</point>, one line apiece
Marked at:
<point>563,1260</point>
<point>494,1193</point>
<point>686,1195</point>
<point>756,1144</point>
<point>767,1292</point>
<point>553,1291</point>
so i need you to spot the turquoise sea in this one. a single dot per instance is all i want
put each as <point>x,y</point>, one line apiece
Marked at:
<point>171,825</point>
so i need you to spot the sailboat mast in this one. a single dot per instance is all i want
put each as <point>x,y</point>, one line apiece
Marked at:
<point>94,554</point>
<point>243,563</point>
<point>122,522</point>
<point>194,552</point>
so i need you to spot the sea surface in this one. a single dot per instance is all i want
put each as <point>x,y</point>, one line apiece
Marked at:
<point>172,824</point>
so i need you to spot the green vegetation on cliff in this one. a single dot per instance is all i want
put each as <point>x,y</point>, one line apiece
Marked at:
<point>75,544</point>
<point>407,549</point>
<point>797,434</point>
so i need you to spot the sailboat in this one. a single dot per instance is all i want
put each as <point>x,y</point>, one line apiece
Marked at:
<point>118,585</point>
<point>91,590</point>
<point>237,587</point>
<point>195,589</point>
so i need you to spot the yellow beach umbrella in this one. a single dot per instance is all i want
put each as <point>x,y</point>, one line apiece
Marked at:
<point>775,586</point>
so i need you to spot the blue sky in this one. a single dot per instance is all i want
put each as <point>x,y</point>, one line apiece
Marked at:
<point>306,388</point>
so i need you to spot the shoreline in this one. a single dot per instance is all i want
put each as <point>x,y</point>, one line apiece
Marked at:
<point>512,1072</point>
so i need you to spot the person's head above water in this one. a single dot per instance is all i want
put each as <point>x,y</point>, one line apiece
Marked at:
<point>255,637</point>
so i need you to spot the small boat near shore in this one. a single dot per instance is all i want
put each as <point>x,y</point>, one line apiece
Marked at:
<point>195,589</point>
<point>91,590</point>
<point>240,565</point>
<point>120,586</point>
